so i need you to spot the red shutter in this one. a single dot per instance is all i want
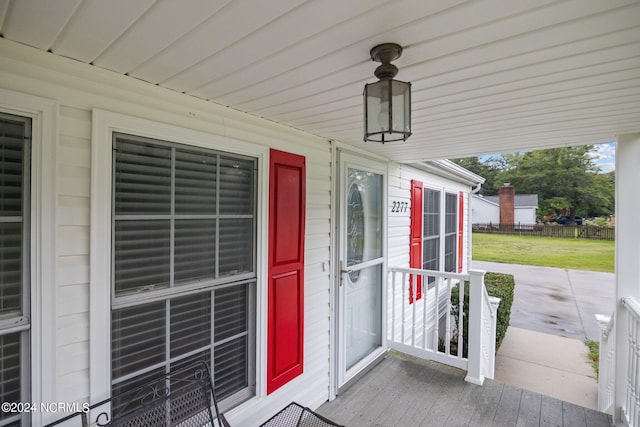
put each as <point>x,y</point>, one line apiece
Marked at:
<point>285,349</point>
<point>415,248</point>
<point>460,230</point>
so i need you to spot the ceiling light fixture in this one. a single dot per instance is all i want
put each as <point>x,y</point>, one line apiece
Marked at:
<point>387,103</point>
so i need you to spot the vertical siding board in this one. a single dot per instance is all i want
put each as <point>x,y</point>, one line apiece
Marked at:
<point>72,293</point>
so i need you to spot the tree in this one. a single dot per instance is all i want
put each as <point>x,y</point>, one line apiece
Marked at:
<point>566,180</point>
<point>490,169</point>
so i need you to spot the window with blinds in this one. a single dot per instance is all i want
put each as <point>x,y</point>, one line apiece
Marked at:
<point>15,133</point>
<point>450,232</point>
<point>436,228</point>
<point>184,255</point>
<point>431,232</point>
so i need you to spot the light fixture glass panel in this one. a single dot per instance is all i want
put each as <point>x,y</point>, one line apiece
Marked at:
<point>387,115</point>
<point>374,108</point>
<point>400,98</point>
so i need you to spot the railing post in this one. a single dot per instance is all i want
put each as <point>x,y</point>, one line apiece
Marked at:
<point>476,307</point>
<point>607,368</point>
<point>490,366</point>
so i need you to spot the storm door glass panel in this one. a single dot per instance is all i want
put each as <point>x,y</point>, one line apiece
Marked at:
<point>450,232</point>
<point>364,217</point>
<point>363,317</point>
<point>15,144</point>
<point>363,288</point>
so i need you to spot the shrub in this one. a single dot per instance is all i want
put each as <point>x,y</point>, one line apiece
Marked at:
<point>498,285</point>
<point>501,286</point>
<point>597,222</point>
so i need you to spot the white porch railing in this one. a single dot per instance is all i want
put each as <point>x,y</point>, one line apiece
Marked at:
<point>631,401</point>
<point>433,328</point>
<point>606,373</point>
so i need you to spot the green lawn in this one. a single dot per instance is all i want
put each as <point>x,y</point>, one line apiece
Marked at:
<point>575,254</point>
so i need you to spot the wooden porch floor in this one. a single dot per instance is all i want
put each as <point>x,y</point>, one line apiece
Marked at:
<point>406,391</point>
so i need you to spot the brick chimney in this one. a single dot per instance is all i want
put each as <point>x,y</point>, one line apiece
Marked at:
<point>507,204</point>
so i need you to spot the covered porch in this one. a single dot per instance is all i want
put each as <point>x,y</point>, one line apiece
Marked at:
<point>407,391</point>
<point>241,80</point>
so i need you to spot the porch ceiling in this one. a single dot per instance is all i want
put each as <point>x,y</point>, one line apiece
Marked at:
<point>487,75</point>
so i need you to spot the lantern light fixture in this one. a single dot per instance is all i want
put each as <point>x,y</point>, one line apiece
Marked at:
<point>387,103</point>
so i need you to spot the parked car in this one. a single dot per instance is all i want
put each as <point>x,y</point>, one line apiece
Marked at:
<point>564,220</point>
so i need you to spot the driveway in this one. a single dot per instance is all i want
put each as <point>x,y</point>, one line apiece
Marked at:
<point>557,301</point>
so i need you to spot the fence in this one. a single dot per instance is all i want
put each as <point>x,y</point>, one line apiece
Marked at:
<point>591,232</point>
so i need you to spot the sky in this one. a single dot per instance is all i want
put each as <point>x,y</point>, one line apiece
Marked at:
<point>604,156</point>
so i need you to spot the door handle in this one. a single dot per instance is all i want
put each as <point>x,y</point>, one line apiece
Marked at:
<point>344,271</point>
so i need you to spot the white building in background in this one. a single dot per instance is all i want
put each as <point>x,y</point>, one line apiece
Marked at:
<point>521,207</point>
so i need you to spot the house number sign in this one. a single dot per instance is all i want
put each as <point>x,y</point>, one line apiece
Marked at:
<point>399,207</point>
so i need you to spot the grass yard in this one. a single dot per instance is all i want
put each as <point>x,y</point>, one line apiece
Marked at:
<point>574,254</point>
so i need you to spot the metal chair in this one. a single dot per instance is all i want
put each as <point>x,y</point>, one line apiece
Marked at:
<point>295,415</point>
<point>185,397</point>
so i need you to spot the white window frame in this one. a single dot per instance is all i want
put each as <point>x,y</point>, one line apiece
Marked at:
<point>442,224</point>
<point>44,135</point>
<point>454,233</point>
<point>440,236</point>
<point>104,124</point>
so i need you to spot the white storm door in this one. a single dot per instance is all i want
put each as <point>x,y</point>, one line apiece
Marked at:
<point>361,263</point>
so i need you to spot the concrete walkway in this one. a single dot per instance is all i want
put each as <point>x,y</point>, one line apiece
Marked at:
<point>558,301</point>
<point>547,364</point>
<point>553,312</point>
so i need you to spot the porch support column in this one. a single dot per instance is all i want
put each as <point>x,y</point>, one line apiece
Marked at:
<point>627,245</point>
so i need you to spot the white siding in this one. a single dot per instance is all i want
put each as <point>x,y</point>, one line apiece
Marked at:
<point>400,177</point>
<point>484,211</point>
<point>78,89</point>
<point>74,159</point>
<point>524,215</point>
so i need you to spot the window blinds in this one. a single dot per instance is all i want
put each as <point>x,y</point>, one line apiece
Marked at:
<point>14,246</point>
<point>450,232</point>
<point>182,216</point>
<point>12,152</point>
